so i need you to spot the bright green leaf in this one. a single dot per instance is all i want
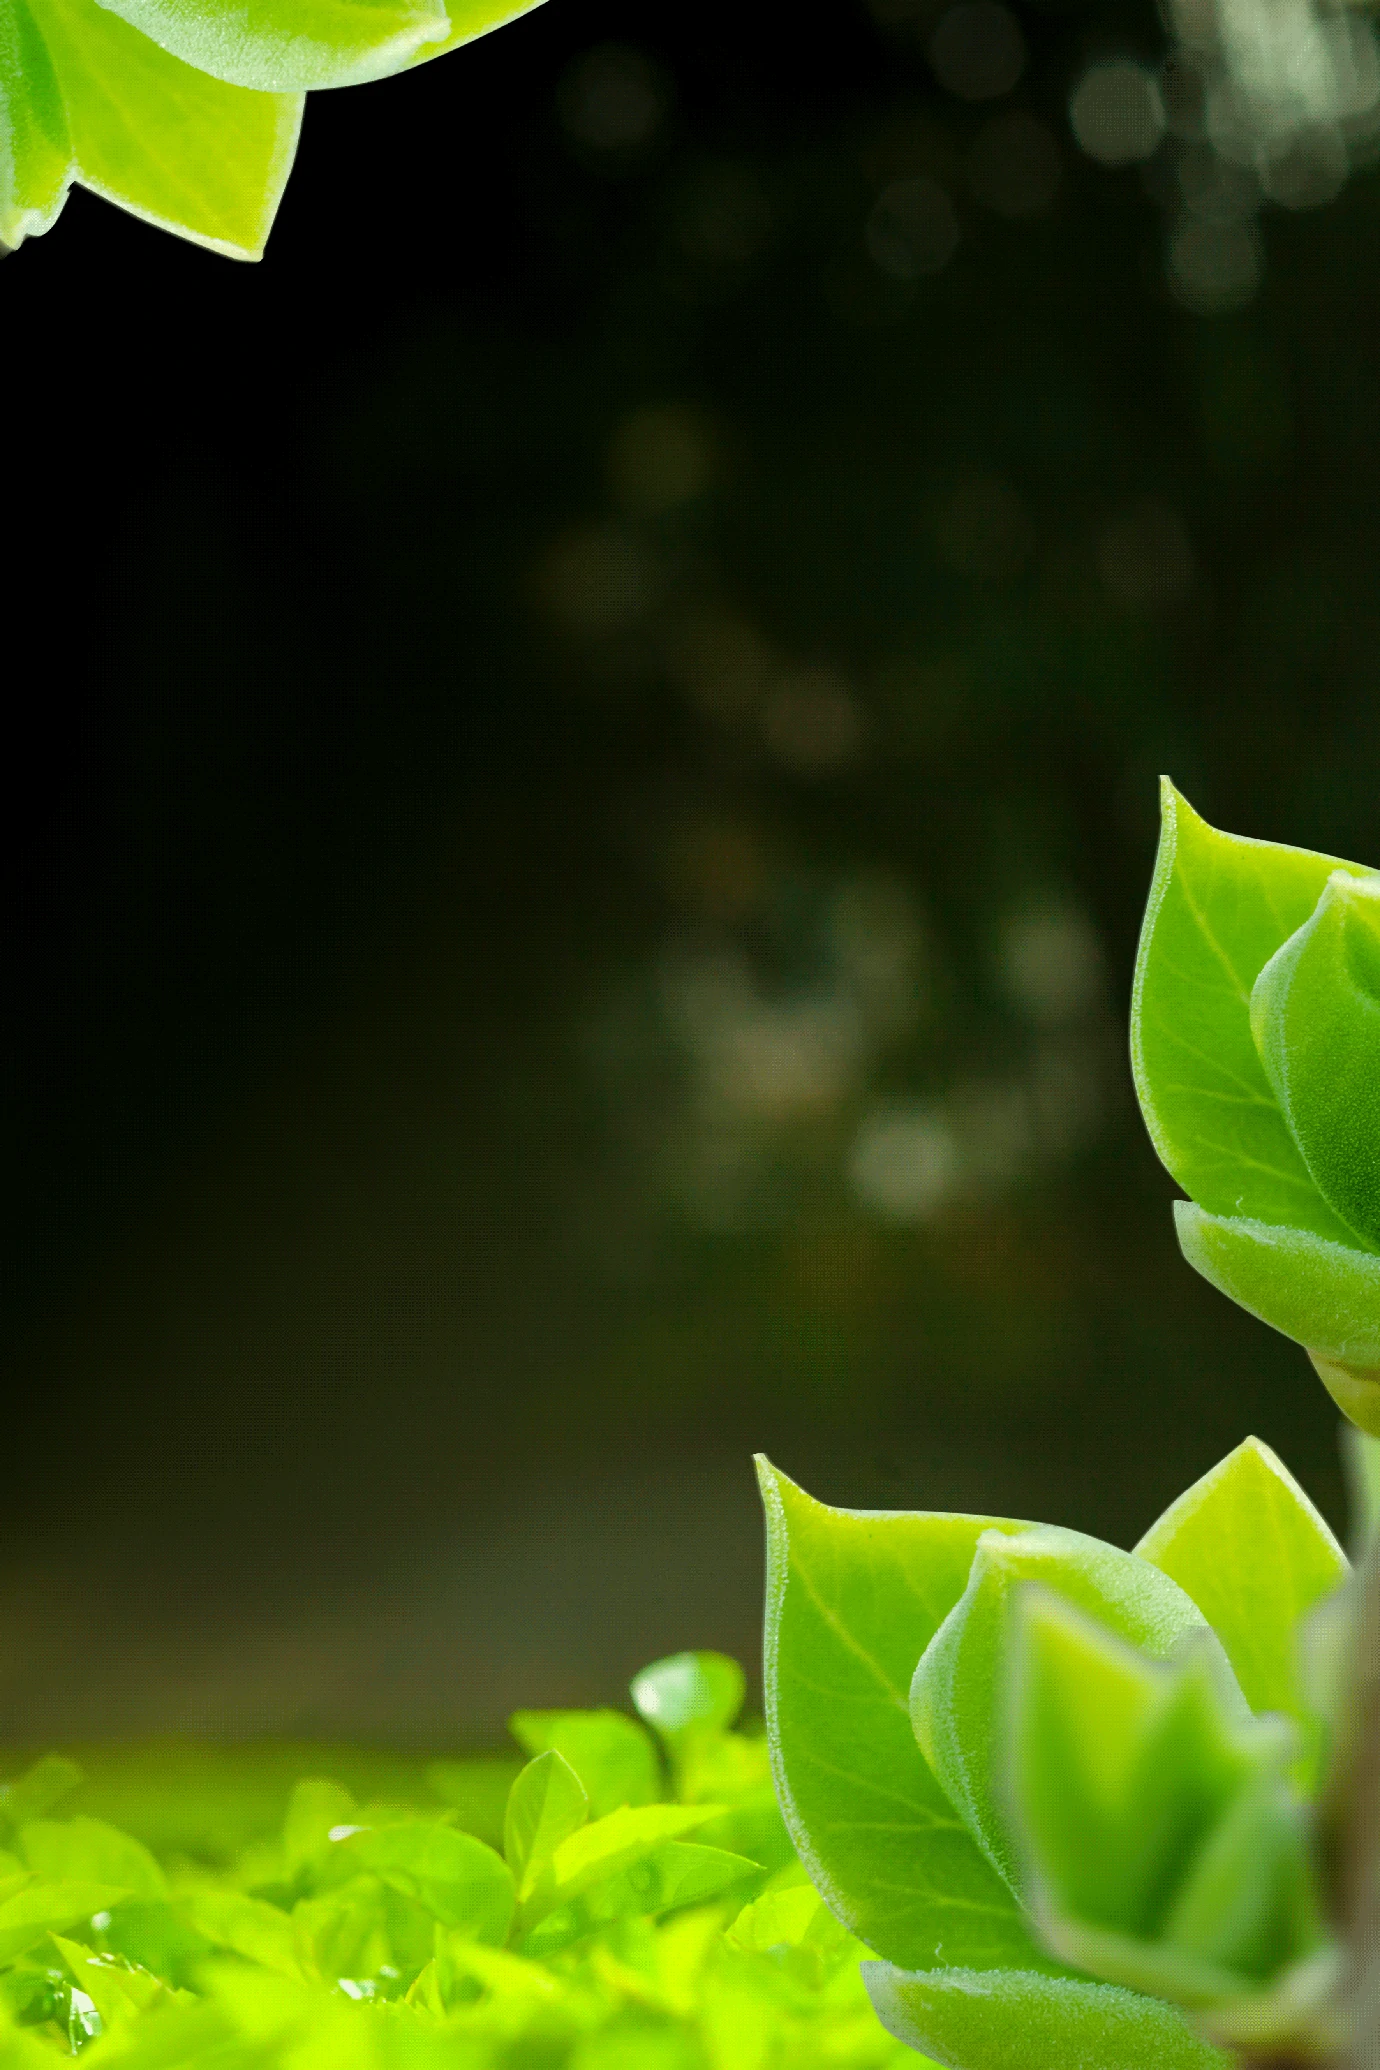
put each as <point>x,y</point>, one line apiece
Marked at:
<point>958,1697</point>
<point>672,1874</point>
<point>164,140</point>
<point>1315,1016</point>
<point>612,1755</point>
<point>456,1877</point>
<point>36,165</point>
<point>1248,1546</point>
<point>88,1850</point>
<point>316,1809</point>
<point>115,1988</point>
<point>688,1694</point>
<point>546,1805</point>
<point>41,1907</point>
<point>1363,1478</point>
<point>853,1599</point>
<point>1219,908</point>
<point>604,1849</point>
<point>1018,2020</point>
<point>248,1926</point>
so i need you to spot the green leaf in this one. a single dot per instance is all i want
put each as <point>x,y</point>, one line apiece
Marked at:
<point>470,19</point>
<point>958,1697</point>
<point>853,1599</point>
<point>1248,1546</point>
<point>248,1926</point>
<point>1326,1296</point>
<point>1363,1482</point>
<point>316,1809</point>
<point>546,1805</point>
<point>1315,1016</point>
<point>1018,2020</point>
<point>27,1915</point>
<point>689,1694</point>
<point>612,1755</point>
<point>164,140</point>
<point>1219,908</point>
<point>669,1876</point>
<point>88,1850</point>
<point>604,1849</point>
<point>36,165</point>
<point>115,1988</point>
<point>291,46</point>
<point>459,1880</point>
<point>1163,1849</point>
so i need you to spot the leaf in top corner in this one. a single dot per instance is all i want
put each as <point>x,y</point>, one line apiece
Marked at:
<point>160,138</point>
<point>1219,908</point>
<point>1248,1546</point>
<point>853,1599</point>
<point>291,46</point>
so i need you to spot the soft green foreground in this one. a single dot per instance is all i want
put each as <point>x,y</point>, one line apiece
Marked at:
<point>632,1903</point>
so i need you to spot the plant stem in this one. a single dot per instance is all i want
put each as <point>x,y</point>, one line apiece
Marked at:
<point>1359,1849</point>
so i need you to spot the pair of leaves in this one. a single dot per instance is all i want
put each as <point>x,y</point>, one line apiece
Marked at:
<point>913,1850</point>
<point>1255,1036</point>
<point>187,112</point>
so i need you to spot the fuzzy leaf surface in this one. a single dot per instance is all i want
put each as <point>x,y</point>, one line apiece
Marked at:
<point>36,163</point>
<point>1019,2020</point>
<point>853,1599</point>
<point>1324,1295</point>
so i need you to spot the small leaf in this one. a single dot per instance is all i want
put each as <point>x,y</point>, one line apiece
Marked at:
<point>460,1880</point>
<point>28,1914</point>
<point>36,165</point>
<point>1219,908</point>
<point>315,1809</point>
<point>1363,1482</point>
<point>689,1694</point>
<point>1248,1546</point>
<point>853,1599</point>
<point>164,140</point>
<point>612,1755</point>
<point>546,1805</point>
<point>1018,2020</point>
<point>248,1926</point>
<point>604,1849</point>
<point>1315,1016</point>
<point>670,1875</point>
<point>1326,1296</point>
<point>114,1988</point>
<point>87,1849</point>
<point>957,1699</point>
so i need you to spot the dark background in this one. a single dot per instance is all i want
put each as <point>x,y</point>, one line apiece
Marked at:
<point>582,780</point>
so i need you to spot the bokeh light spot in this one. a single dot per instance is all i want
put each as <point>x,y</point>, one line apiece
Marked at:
<point>1116,112</point>
<point>613,99</point>
<point>977,51</point>
<point>659,458</point>
<point>1214,266</point>
<point>1144,557</point>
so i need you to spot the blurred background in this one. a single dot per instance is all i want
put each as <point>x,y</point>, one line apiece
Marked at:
<point>572,894</point>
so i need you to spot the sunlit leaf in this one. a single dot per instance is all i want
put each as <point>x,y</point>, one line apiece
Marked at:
<point>290,46</point>
<point>689,1694</point>
<point>87,1849</point>
<point>612,1755</point>
<point>1248,1546</point>
<point>456,1877</point>
<point>316,1809</point>
<point>546,1805</point>
<point>164,140</point>
<point>853,1599</point>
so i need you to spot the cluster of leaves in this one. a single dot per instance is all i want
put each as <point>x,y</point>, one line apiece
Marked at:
<point>1256,1044</point>
<point>645,1909</point>
<point>1067,1793</point>
<point>187,112</point>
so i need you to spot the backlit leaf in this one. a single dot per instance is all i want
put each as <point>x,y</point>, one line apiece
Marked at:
<point>1018,2020</point>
